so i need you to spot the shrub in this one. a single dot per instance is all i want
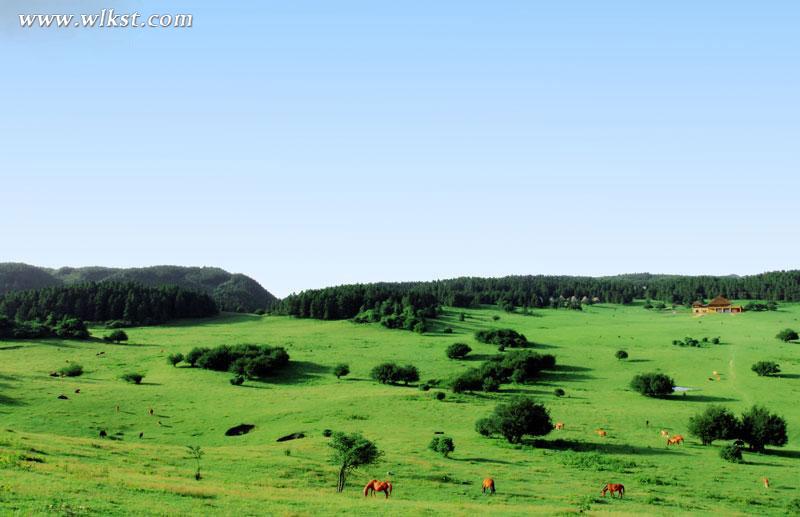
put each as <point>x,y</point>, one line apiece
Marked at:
<point>443,445</point>
<point>237,381</point>
<point>731,452</point>
<point>259,312</point>
<point>495,318</point>
<point>118,324</point>
<point>653,384</point>
<point>327,433</point>
<point>385,373</point>
<point>490,384</point>
<point>558,392</point>
<point>424,387</point>
<point>760,428</point>
<point>194,355</point>
<point>715,340</point>
<point>471,380</point>
<point>71,370</point>
<point>448,330</point>
<point>485,426</point>
<point>787,335</point>
<point>648,305</point>
<point>440,395</point>
<point>251,361</point>
<point>135,378</point>
<point>341,370</point>
<point>408,373</point>
<point>117,336</point>
<point>764,368</point>
<point>174,359</point>
<point>458,350</point>
<point>621,354</point>
<point>502,337</point>
<point>519,418</point>
<point>714,423</point>
<point>71,328</point>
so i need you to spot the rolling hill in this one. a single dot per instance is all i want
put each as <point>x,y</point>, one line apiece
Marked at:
<point>231,291</point>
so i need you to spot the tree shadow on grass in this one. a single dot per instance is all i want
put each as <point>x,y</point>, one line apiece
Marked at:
<point>297,372</point>
<point>603,448</point>
<point>788,375</point>
<point>5,400</point>
<point>699,398</point>
<point>482,460</point>
<point>11,347</point>
<point>638,360</point>
<point>782,453</point>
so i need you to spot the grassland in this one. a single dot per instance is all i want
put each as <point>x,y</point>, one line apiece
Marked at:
<point>52,460</point>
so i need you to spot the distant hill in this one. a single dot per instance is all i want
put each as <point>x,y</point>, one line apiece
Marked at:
<point>231,292</point>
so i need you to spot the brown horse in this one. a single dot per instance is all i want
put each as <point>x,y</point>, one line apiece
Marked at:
<point>601,433</point>
<point>559,426</point>
<point>675,440</point>
<point>613,487</point>
<point>664,433</point>
<point>378,486</point>
<point>488,484</point>
<point>766,482</point>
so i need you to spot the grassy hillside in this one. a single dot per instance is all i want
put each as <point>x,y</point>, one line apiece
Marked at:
<point>231,292</point>
<point>51,458</point>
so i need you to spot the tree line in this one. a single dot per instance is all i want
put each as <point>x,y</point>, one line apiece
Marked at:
<point>106,301</point>
<point>346,301</point>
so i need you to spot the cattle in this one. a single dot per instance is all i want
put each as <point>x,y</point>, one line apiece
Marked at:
<point>78,390</point>
<point>559,426</point>
<point>63,397</point>
<point>601,433</point>
<point>103,433</point>
<point>664,433</point>
<point>766,482</point>
<point>488,484</point>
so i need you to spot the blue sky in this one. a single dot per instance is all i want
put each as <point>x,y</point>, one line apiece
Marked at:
<point>316,143</point>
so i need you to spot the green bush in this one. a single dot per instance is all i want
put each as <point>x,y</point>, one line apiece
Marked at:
<point>731,452</point>
<point>385,373</point>
<point>519,418</point>
<point>71,328</point>
<point>443,445</point>
<point>174,359</point>
<point>237,381</point>
<point>116,336</point>
<point>764,368</point>
<point>458,350</point>
<point>407,373</point>
<point>653,384</point>
<point>558,392</point>
<point>251,361</point>
<point>621,354</point>
<point>490,384</point>
<point>135,378</point>
<point>71,370</point>
<point>424,387</point>
<point>485,426</point>
<point>327,433</point>
<point>502,337</point>
<point>760,428</point>
<point>440,395</point>
<point>341,370</point>
<point>787,335</point>
<point>714,423</point>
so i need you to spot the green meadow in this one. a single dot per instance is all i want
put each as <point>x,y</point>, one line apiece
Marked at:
<point>52,459</point>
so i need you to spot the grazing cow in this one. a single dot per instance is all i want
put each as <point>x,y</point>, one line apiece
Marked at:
<point>711,378</point>
<point>601,433</point>
<point>63,397</point>
<point>559,426</point>
<point>675,440</point>
<point>766,482</point>
<point>150,411</point>
<point>664,433</point>
<point>78,390</point>
<point>103,433</point>
<point>619,488</point>
<point>488,484</point>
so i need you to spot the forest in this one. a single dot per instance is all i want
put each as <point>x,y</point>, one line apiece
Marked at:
<point>346,301</point>
<point>107,301</point>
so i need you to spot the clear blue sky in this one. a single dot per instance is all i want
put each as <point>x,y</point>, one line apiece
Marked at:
<point>316,143</point>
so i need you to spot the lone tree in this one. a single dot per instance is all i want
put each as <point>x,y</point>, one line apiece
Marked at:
<point>197,453</point>
<point>764,368</point>
<point>787,335</point>
<point>621,354</point>
<point>174,359</point>
<point>443,445</point>
<point>458,350</point>
<point>760,428</point>
<point>385,373</point>
<point>341,370</point>
<point>118,336</point>
<point>715,423</point>
<point>653,384</point>
<point>351,451</point>
<point>516,419</point>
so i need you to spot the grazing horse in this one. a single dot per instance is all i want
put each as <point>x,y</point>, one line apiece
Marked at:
<point>488,484</point>
<point>559,426</point>
<point>675,440</point>
<point>766,482</point>
<point>378,486</point>
<point>613,487</point>
<point>664,433</point>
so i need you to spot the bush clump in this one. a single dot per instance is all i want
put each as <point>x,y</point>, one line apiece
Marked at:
<point>714,423</point>
<point>117,336</point>
<point>621,354</point>
<point>760,428</point>
<point>71,328</point>
<point>559,392</point>
<point>133,377</point>
<point>174,359</point>
<point>71,370</point>
<point>519,366</point>
<point>507,338</point>
<point>517,419</point>
<point>250,361</point>
<point>458,350</point>
<point>653,384</point>
<point>787,335</point>
<point>391,373</point>
<point>440,395</point>
<point>443,445</point>
<point>237,380</point>
<point>765,368</point>
<point>341,370</point>
<point>731,452</point>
